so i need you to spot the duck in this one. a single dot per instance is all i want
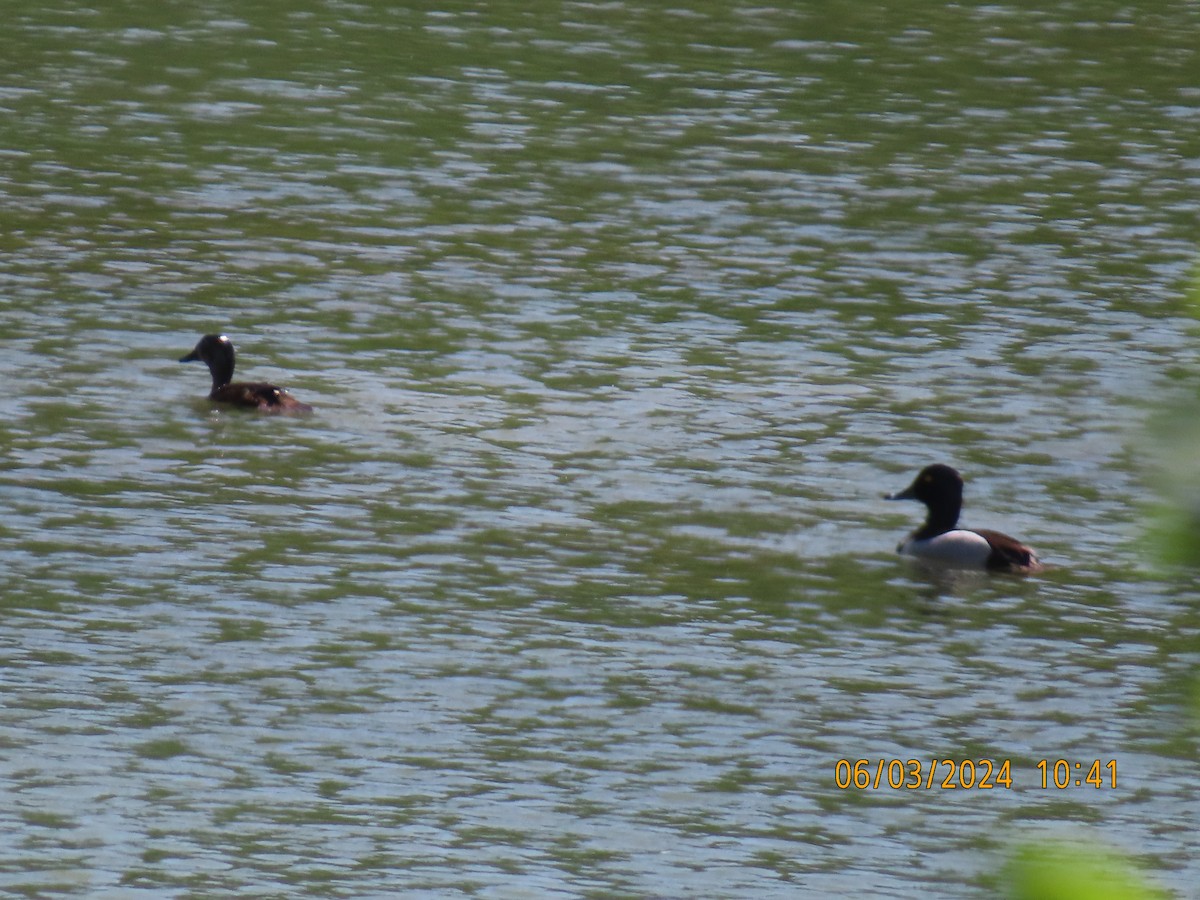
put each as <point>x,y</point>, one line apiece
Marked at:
<point>940,540</point>
<point>216,351</point>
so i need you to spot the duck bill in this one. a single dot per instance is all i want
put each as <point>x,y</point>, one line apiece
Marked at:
<point>191,357</point>
<point>906,494</point>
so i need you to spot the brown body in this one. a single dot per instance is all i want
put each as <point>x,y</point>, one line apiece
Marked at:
<point>216,351</point>
<point>1008,554</point>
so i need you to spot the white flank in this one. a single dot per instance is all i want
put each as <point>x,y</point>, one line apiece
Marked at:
<point>961,548</point>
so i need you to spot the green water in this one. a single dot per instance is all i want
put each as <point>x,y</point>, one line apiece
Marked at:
<point>619,322</point>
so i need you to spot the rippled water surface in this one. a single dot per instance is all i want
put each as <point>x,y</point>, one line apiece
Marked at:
<point>618,323</point>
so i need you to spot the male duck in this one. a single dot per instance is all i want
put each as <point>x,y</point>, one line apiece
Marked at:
<point>216,351</point>
<point>940,488</point>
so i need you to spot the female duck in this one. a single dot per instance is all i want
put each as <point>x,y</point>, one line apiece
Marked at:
<point>940,488</point>
<point>216,351</point>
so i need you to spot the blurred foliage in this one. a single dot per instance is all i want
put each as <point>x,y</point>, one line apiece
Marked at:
<point>1064,871</point>
<point>1175,449</point>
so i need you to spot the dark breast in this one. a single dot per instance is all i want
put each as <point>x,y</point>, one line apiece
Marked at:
<point>258,395</point>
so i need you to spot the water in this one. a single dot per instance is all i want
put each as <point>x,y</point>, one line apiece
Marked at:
<point>618,323</point>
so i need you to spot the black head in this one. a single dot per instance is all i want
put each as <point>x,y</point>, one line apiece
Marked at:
<point>934,483</point>
<point>215,351</point>
<point>940,488</point>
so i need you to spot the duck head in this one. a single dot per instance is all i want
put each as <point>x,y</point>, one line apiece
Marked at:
<point>940,488</point>
<point>215,351</point>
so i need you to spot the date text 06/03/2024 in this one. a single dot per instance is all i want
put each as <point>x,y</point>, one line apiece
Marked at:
<point>969,774</point>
